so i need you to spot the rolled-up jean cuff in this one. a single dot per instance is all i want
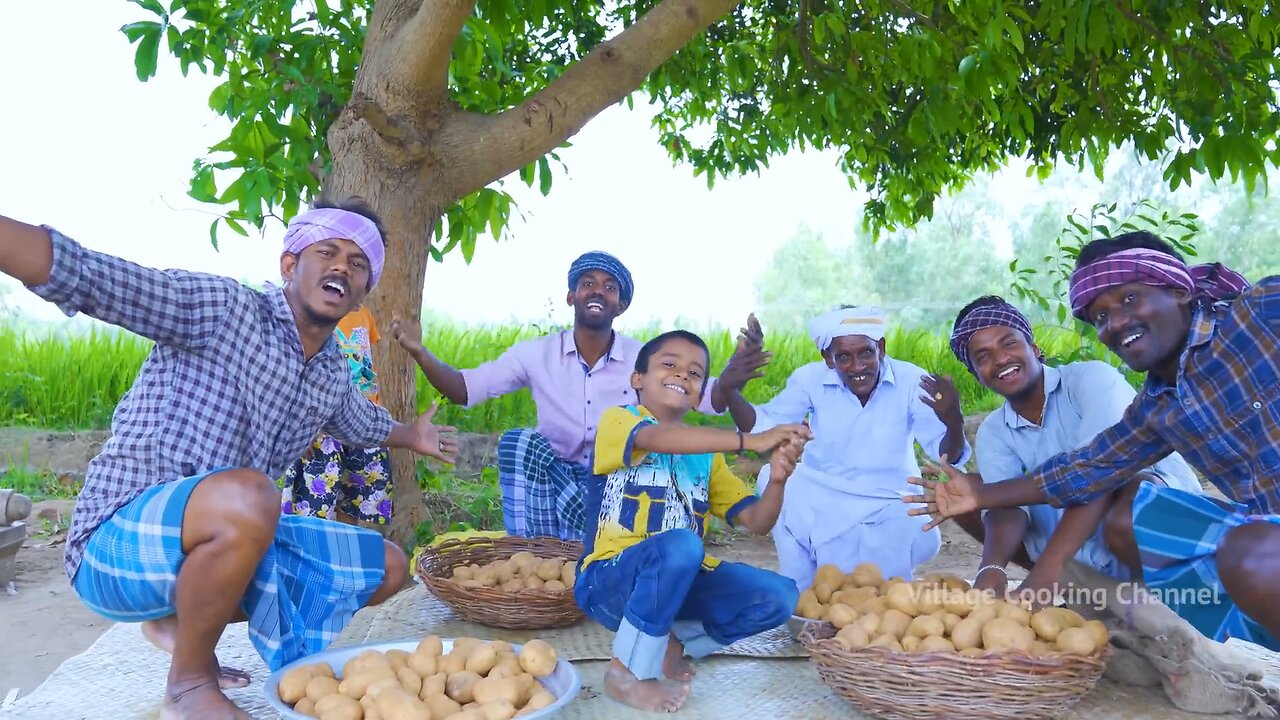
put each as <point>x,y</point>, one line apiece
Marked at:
<point>693,635</point>
<point>642,654</point>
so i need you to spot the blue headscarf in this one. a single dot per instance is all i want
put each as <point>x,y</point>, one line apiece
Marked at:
<point>603,262</point>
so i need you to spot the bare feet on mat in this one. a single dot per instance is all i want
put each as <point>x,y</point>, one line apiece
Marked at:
<point>161,633</point>
<point>649,695</point>
<point>675,665</point>
<point>201,700</point>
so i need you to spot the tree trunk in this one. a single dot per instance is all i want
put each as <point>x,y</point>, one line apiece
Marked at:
<point>398,187</point>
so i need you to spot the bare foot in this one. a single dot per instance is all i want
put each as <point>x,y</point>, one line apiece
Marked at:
<point>650,695</point>
<point>161,634</point>
<point>202,701</point>
<point>675,665</point>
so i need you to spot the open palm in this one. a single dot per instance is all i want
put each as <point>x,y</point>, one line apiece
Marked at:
<point>954,493</point>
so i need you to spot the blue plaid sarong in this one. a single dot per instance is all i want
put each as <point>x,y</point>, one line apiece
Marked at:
<point>1178,534</point>
<point>315,576</point>
<point>542,495</point>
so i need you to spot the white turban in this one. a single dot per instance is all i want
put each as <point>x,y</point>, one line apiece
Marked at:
<point>867,321</point>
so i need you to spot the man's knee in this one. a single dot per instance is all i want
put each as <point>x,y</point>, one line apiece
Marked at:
<point>1249,553</point>
<point>1117,524</point>
<point>782,596</point>
<point>679,549</point>
<point>396,563</point>
<point>241,502</point>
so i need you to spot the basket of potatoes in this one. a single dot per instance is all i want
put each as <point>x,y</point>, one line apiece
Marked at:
<point>431,679</point>
<point>935,648</point>
<point>510,582</point>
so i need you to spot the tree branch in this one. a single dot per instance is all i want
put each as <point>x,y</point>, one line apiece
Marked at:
<point>482,148</point>
<point>424,45</point>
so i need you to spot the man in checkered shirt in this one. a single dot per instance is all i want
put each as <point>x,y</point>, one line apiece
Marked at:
<point>178,525</point>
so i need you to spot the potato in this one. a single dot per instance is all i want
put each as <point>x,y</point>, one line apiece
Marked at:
<point>568,574</point>
<point>550,569</point>
<point>464,645</point>
<point>490,690</point>
<point>888,641</point>
<point>902,597</point>
<point>949,622</point>
<point>459,686</point>
<point>967,634</point>
<point>505,572</point>
<point>538,658</point>
<point>293,686</point>
<point>462,572</point>
<point>487,577</point>
<point>540,699</point>
<point>498,711</point>
<point>474,713</point>
<point>1098,631</point>
<point>894,622</point>
<point>473,583</point>
<point>533,583</point>
<point>356,685</point>
<point>514,585</point>
<point>398,659</point>
<point>924,626</point>
<point>319,686</point>
<point>823,592</point>
<point>867,575</point>
<point>433,685</point>
<point>852,637</point>
<point>958,603</point>
<point>876,605</point>
<point>983,613</point>
<point>935,643</point>
<point>424,665</point>
<point>1039,648</point>
<point>400,705</point>
<point>382,684</point>
<point>841,615</point>
<point>1046,624</point>
<point>508,666</point>
<point>1013,612</point>
<point>910,643</point>
<point>930,599</point>
<point>365,660</point>
<point>951,582</point>
<point>441,706</point>
<point>554,586</point>
<point>481,660</point>
<point>452,662</point>
<point>870,624</point>
<point>410,681</point>
<point>306,707</point>
<point>1077,641</point>
<point>830,575</point>
<point>1007,634</point>
<point>430,645</point>
<point>333,706</point>
<point>523,558</point>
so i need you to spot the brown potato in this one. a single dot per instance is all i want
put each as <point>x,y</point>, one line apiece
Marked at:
<point>888,641</point>
<point>464,645</point>
<point>935,643</point>
<point>894,622</point>
<point>508,666</point>
<point>441,706</point>
<point>410,681</point>
<point>958,603</point>
<point>306,707</point>
<point>533,583</point>
<point>867,575</point>
<point>1013,612</point>
<point>505,572</point>
<point>423,664</point>
<point>852,637</point>
<point>967,634</point>
<point>513,585</point>
<point>1039,648</point>
<point>538,658</point>
<point>293,686</point>
<point>430,645</point>
<point>498,711</point>
<point>823,592</point>
<point>332,706</point>
<point>1098,631</point>
<point>924,626</point>
<point>550,569</point>
<point>870,623</point>
<point>540,699</point>
<point>554,586</point>
<point>491,690</point>
<point>452,662</point>
<point>398,659</point>
<point>568,575</point>
<point>473,583</point>
<point>399,705</point>
<point>356,685</point>
<point>876,605</point>
<point>949,622</point>
<point>462,572</point>
<point>830,575</point>
<point>1076,640</point>
<point>1046,624</point>
<point>382,684</point>
<point>481,660</point>
<point>460,685</point>
<point>366,659</point>
<point>930,599</point>
<point>809,607</point>
<point>841,615</point>
<point>324,669</point>
<point>1007,634</point>
<point>902,597</point>
<point>319,686</point>
<point>910,643</point>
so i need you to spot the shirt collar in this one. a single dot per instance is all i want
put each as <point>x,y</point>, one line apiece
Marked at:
<point>1052,378</point>
<point>281,311</point>
<point>569,346</point>
<point>1204,323</point>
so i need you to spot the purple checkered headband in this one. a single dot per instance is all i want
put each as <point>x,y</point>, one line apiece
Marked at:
<point>316,226</point>
<point>1000,314</point>
<point>1151,267</point>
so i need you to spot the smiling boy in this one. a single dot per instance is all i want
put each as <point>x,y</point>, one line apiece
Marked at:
<point>178,525</point>
<point>645,573</point>
<point>1208,343</point>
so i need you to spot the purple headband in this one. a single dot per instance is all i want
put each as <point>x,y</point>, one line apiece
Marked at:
<point>1151,267</point>
<point>1000,314</point>
<point>315,226</point>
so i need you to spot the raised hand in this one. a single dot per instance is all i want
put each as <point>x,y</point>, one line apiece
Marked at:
<point>437,441</point>
<point>748,360</point>
<point>941,395</point>
<point>406,332</point>
<point>956,493</point>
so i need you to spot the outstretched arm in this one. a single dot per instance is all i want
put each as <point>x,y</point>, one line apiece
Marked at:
<point>447,380</point>
<point>686,440</point>
<point>26,252</point>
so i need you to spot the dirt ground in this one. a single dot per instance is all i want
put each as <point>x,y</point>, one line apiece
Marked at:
<point>45,623</point>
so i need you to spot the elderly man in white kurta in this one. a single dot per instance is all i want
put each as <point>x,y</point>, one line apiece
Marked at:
<point>844,501</point>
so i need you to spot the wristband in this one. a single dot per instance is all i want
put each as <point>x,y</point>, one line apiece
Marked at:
<point>985,568</point>
<point>742,442</point>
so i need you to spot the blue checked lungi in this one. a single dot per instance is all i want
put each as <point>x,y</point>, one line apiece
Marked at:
<point>542,495</point>
<point>1178,534</point>
<point>314,577</point>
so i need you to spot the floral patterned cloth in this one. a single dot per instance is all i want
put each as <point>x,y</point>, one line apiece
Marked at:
<point>330,476</point>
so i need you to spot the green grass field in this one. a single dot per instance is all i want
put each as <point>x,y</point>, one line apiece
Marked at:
<point>74,381</point>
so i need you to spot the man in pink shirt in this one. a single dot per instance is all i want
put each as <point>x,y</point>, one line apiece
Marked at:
<point>574,376</point>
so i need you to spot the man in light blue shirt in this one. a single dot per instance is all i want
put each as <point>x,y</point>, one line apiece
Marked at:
<point>1048,411</point>
<point>866,410</point>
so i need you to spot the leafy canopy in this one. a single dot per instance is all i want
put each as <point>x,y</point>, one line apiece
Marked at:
<point>915,96</point>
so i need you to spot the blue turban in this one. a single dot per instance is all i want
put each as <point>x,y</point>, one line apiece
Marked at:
<point>603,262</point>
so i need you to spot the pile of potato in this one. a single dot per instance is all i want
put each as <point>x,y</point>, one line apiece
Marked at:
<point>520,572</point>
<point>475,680</point>
<point>940,613</point>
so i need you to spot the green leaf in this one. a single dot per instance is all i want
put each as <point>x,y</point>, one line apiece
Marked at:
<point>544,175</point>
<point>203,187</point>
<point>145,57</point>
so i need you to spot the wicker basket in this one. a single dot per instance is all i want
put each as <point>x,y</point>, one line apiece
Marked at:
<point>526,610</point>
<point>947,685</point>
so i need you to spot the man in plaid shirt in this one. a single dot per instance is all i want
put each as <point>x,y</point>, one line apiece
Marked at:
<point>178,525</point>
<point>1210,345</point>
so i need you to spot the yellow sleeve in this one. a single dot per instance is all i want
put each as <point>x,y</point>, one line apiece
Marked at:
<point>614,440</point>
<point>728,494</point>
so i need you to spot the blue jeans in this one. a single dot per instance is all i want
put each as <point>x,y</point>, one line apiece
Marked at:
<point>658,588</point>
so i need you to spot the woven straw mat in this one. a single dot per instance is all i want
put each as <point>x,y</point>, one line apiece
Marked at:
<point>121,677</point>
